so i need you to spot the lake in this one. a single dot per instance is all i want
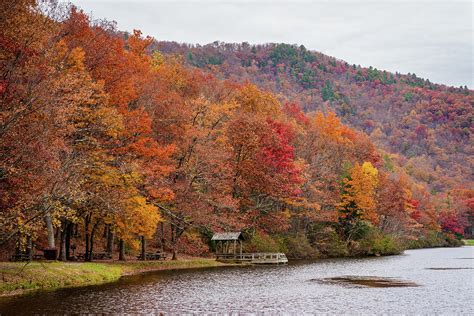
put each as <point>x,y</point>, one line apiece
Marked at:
<point>439,280</point>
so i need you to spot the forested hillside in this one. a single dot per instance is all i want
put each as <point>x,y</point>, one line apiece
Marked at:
<point>105,141</point>
<point>425,126</point>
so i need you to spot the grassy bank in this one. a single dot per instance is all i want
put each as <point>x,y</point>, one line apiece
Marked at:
<point>468,242</point>
<point>18,278</point>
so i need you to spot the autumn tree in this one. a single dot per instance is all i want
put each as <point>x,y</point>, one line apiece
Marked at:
<point>358,197</point>
<point>396,206</point>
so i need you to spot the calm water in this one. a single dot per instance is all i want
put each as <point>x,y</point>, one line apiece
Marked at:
<point>295,288</point>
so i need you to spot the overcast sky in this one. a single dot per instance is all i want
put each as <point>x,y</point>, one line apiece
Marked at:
<point>431,38</point>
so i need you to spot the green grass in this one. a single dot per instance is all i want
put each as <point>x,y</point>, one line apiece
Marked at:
<point>469,242</point>
<point>17,277</point>
<point>20,277</point>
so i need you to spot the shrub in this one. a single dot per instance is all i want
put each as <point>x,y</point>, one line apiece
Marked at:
<point>376,243</point>
<point>299,247</point>
<point>261,242</point>
<point>435,239</point>
<point>452,240</point>
<point>361,230</point>
<point>385,245</point>
<point>192,243</point>
<point>327,241</point>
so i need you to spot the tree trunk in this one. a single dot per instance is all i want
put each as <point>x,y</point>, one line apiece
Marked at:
<point>110,241</point>
<point>162,232</point>
<point>18,250</point>
<point>86,230</point>
<point>173,243</point>
<point>69,232</point>
<point>62,242</point>
<point>236,175</point>
<point>143,250</point>
<point>49,227</point>
<point>75,231</point>
<point>91,244</point>
<point>29,247</point>
<point>121,250</point>
<point>57,234</point>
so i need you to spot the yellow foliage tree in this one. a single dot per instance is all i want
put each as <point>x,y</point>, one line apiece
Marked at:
<point>138,218</point>
<point>358,197</point>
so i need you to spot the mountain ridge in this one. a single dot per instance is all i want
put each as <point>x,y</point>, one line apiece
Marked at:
<point>163,43</point>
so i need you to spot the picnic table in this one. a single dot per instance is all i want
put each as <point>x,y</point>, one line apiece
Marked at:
<point>153,256</point>
<point>25,257</point>
<point>102,255</point>
<point>20,257</point>
<point>95,256</point>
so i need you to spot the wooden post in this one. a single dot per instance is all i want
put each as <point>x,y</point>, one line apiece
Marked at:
<point>240,242</point>
<point>234,248</point>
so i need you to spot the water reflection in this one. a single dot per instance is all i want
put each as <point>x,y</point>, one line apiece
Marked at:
<point>278,289</point>
<point>441,269</point>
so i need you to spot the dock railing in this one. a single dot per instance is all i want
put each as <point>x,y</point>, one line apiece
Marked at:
<point>259,257</point>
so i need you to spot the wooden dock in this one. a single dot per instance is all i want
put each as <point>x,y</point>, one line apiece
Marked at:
<point>254,258</point>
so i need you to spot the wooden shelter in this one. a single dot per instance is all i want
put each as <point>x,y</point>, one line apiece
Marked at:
<point>226,251</point>
<point>228,242</point>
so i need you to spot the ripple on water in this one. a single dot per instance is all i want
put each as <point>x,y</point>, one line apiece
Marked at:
<point>277,289</point>
<point>367,281</point>
<point>440,269</point>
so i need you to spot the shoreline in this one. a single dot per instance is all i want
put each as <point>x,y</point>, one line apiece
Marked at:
<point>20,278</point>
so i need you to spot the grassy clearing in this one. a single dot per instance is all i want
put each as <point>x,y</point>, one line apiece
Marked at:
<point>469,242</point>
<point>18,278</point>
